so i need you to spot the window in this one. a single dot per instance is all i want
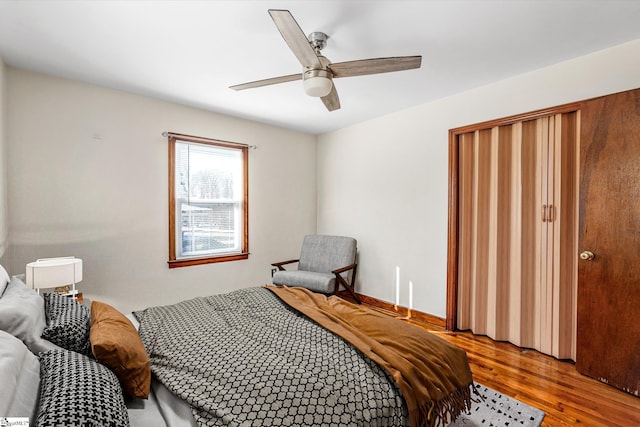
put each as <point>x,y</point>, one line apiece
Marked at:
<point>207,201</point>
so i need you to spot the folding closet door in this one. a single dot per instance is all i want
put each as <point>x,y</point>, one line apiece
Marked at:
<point>517,226</point>
<point>563,222</point>
<point>558,142</point>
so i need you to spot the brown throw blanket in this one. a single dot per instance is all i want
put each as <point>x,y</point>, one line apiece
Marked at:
<point>433,375</point>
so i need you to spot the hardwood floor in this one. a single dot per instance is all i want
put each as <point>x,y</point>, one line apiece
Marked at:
<point>554,386</point>
<point>567,397</point>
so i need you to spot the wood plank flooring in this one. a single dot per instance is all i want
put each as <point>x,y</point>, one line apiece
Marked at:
<point>567,397</point>
<point>554,386</point>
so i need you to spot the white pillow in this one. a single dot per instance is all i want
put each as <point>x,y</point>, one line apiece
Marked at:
<point>22,315</point>
<point>20,378</point>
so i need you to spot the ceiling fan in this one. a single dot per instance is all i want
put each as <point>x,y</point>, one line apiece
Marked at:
<point>317,71</point>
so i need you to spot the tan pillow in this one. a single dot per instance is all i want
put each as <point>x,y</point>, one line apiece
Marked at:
<point>116,344</point>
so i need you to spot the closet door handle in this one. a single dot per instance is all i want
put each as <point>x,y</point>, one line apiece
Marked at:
<point>551,214</point>
<point>544,213</point>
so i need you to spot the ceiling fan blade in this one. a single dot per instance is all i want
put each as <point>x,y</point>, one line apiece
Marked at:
<point>364,67</point>
<point>295,38</point>
<point>331,101</point>
<point>267,82</point>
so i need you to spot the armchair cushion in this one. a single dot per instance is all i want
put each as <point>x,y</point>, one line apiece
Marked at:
<point>323,254</point>
<point>317,282</point>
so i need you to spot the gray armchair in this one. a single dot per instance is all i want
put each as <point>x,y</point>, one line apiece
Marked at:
<point>325,264</point>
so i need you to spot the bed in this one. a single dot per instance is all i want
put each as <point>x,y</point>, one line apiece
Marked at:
<point>256,356</point>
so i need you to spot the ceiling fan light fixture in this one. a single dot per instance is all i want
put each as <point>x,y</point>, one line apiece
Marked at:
<point>317,83</point>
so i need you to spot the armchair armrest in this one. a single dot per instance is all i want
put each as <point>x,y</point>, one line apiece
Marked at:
<point>343,269</point>
<point>281,263</point>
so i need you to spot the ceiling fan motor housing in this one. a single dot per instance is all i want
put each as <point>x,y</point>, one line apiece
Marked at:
<point>318,40</point>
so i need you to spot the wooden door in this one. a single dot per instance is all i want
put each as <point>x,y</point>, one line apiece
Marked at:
<point>608,324</point>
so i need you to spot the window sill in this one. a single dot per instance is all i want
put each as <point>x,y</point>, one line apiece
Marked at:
<point>186,262</point>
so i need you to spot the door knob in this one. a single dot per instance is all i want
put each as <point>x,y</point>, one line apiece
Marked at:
<point>587,255</point>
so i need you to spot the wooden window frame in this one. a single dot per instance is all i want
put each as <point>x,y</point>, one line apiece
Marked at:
<point>208,259</point>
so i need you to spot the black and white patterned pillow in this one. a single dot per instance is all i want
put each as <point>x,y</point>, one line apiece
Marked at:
<point>68,323</point>
<point>78,391</point>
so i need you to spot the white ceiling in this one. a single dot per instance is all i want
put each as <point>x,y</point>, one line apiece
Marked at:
<point>191,51</point>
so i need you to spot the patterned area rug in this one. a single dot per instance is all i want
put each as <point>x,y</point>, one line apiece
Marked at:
<point>498,410</point>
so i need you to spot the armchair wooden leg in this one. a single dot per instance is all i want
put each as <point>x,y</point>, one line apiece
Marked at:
<point>340,281</point>
<point>353,293</point>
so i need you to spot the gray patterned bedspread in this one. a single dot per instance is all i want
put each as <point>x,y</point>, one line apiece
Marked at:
<point>247,359</point>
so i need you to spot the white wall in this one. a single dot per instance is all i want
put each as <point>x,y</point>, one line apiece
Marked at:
<point>88,177</point>
<point>4,222</point>
<point>385,181</point>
